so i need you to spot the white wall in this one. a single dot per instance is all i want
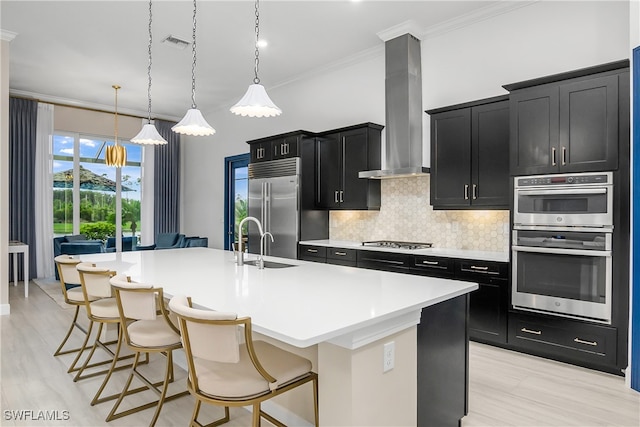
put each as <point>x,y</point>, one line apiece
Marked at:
<point>352,95</point>
<point>5,40</point>
<point>458,66</point>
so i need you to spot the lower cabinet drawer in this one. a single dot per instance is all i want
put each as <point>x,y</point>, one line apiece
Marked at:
<point>312,253</point>
<point>341,256</point>
<point>566,338</point>
<point>432,266</point>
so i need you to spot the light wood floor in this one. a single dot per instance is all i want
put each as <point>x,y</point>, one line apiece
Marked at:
<point>506,388</point>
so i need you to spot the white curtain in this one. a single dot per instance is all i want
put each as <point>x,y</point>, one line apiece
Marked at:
<point>146,202</point>
<point>44,191</point>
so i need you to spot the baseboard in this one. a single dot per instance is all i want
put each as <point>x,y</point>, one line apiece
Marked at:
<point>5,309</point>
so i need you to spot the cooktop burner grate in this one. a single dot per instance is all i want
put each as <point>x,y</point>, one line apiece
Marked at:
<point>397,245</point>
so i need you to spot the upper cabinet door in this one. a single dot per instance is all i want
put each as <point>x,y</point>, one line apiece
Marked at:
<point>589,125</point>
<point>534,130</point>
<point>329,168</point>
<point>451,158</point>
<point>490,154</point>
<point>567,124</point>
<point>353,194</point>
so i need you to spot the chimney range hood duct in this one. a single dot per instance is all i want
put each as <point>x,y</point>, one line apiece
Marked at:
<point>403,99</point>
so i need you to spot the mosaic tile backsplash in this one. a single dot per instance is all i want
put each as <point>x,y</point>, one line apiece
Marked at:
<point>406,215</point>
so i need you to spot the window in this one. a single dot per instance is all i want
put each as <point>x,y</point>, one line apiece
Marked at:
<point>84,187</point>
<point>236,195</point>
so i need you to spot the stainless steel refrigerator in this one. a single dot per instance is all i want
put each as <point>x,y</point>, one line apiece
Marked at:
<point>276,198</point>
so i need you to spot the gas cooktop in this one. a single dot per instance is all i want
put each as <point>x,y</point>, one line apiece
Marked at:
<point>397,245</point>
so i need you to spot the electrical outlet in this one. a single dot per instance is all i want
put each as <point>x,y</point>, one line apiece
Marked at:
<point>455,227</point>
<point>389,356</point>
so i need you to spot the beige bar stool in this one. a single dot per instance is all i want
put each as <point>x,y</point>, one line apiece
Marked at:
<point>227,372</point>
<point>101,309</point>
<point>72,293</point>
<point>146,328</point>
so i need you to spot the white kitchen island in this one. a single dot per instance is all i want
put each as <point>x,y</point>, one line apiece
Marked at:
<point>338,317</point>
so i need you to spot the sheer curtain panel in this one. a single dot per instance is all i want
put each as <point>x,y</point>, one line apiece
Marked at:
<point>166,186</point>
<point>43,191</point>
<point>23,115</point>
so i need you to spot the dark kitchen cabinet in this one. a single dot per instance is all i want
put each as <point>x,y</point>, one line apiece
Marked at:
<point>567,122</point>
<point>563,339</point>
<point>470,155</point>
<point>341,256</point>
<point>341,154</point>
<point>328,255</point>
<point>488,305</point>
<point>278,147</point>
<point>312,253</point>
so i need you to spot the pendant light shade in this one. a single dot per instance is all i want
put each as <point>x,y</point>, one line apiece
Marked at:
<point>256,102</point>
<point>116,155</point>
<point>193,123</point>
<point>149,134</point>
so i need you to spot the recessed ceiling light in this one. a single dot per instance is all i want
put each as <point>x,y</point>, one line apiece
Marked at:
<point>175,42</point>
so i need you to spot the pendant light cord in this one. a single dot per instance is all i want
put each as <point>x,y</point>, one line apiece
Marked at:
<point>149,67</point>
<point>193,65</point>
<point>256,79</point>
<point>115,132</point>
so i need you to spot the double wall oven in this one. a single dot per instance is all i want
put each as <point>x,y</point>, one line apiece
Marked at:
<point>561,247</point>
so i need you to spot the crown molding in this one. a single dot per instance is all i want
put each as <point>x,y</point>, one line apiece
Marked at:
<point>406,27</point>
<point>478,15</point>
<point>74,103</point>
<point>7,36</point>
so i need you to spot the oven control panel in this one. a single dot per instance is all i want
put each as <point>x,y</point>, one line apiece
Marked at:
<point>564,179</point>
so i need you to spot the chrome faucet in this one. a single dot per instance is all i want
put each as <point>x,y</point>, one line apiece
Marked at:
<point>239,256</point>
<point>260,260</point>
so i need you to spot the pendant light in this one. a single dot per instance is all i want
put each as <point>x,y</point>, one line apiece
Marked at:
<point>256,102</point>
<point>116,154</point>
<point>193,123</point>
<point>149,134</point>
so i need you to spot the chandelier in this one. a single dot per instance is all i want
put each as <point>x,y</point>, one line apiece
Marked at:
<point>116,154</point>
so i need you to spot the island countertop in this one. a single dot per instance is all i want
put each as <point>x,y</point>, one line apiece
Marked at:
<point>302,305</point>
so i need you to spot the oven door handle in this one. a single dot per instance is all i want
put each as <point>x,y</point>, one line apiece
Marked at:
<point>560,251</point>
<point>563,191</point>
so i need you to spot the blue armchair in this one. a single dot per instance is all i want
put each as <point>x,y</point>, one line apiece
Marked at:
<point>165,241</point>
<point>75,245</point>
<point>192,242</point>
<point>127,243</point>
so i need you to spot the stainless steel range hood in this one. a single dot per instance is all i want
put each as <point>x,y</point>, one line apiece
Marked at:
<point>403,99</point>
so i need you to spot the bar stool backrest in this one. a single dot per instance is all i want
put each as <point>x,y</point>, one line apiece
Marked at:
<point>67,271</point>
<point>138,300</point>
<point>206,339</point>
<point>95,280</point>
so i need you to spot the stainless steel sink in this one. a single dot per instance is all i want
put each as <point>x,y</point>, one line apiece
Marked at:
<point>269,264</point>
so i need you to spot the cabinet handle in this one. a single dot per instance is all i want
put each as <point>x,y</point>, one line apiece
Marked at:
<point>579,341</point>
<point>286,147</point>
<point>553,156</point>
<point>474,192</point>
<point>479,267</point>
<point>564,156</point>
<point>341,253</point>
<point>341,196</point>
<point>466,191</point>
<point>313,251</point>
<point>430,262</point>
<point>529,331</point>
<point>335,196</point>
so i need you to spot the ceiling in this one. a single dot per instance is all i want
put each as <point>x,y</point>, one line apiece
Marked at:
<point>72,52</point>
